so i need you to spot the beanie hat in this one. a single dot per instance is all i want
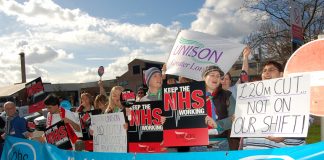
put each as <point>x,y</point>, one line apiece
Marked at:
<point>209,69</point>
<point>148,74</point>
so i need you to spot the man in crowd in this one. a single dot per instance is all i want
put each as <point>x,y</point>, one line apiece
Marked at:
<point>57,113</point>
<point>271,70</point>
<point>14,125</point>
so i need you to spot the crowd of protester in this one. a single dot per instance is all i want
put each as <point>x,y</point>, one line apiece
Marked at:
<point>220,102</point>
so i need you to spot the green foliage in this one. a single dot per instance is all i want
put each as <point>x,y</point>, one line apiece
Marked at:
<point>314,134</point>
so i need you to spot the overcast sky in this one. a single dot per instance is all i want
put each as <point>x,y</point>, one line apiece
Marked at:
<point>67,40</point>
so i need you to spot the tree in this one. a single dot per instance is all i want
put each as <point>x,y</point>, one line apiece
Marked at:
<point>273,36</point>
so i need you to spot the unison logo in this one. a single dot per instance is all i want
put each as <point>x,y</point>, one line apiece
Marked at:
<point>21,151</point>
<point>197,51</point>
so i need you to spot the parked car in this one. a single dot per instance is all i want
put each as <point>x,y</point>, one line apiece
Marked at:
<point>40,122</point>
<point>30,121</point>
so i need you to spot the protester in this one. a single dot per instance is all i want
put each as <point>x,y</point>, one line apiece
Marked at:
<point>184,79</point>
<point>57,113</point>
<point>218,115</point>
<point>86,103</point>
<point>153,79</point>
<point>114,104</point>
<point>65,103</point>
<point>14,125</point>
<point>271,70</point>
<point>139,94</point>
<point>101,102</point>
<point>171,79</point>
<point>85,110</point>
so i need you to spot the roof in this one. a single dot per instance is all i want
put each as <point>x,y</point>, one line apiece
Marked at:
<point>10,90</point>
<point>147,61</point>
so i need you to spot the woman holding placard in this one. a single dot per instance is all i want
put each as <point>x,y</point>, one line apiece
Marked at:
<point>217,119</point>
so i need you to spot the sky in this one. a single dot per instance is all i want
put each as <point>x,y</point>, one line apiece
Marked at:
<point>65,41</point>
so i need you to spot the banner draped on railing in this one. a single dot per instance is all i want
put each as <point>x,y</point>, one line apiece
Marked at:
<point>16,148</point>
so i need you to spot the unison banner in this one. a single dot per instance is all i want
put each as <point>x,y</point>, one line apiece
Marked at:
<point>277,107</point>
<point>23,149</point>
<point>16,148</point>
<point>193,51</point>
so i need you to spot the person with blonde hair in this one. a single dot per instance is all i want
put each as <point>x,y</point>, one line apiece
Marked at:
<point>114,104</point>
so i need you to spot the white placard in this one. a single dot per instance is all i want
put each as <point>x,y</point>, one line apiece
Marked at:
<point>278,107</point>
<point>193,51</point>
<point>109,133</point>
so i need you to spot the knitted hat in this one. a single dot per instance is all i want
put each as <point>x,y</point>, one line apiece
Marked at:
<point>209,69</point>
<point>148,74</point>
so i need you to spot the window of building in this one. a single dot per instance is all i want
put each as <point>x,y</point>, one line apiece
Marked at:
<point>136,69</point>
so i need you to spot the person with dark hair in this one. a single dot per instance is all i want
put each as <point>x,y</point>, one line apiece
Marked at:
<point>271,70</point>
<point>168,79</point>
<point>153,79</point>
<point>218,115</point>
<point>182,79</point>
<point>171,79</point>
<point>57,113</point>
<point>139,94</point>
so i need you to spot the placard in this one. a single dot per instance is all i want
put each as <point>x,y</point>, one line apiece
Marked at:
<point>277,107</point>
<point>109,133</point>
<point>145,130</point>
<point>57,135</point>
<point>185,112</point>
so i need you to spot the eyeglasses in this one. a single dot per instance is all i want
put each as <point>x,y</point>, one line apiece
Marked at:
<point>269,70</point>
<point>140,92</point>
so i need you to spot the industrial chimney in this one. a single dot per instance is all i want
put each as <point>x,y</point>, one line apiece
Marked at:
<point>23,68</point>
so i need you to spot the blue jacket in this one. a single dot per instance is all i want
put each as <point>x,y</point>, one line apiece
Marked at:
<point>18,127</point>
